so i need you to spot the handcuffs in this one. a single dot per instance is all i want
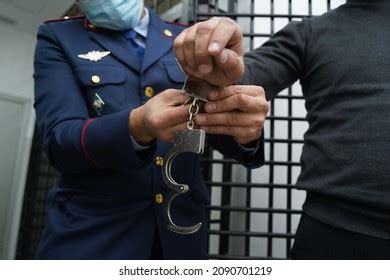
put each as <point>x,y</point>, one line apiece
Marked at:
<point>191,140</point>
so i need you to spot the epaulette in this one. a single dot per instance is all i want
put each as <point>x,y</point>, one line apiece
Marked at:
<point>178,24</point>
<point>63,19</point>
<point>90,27</point>
<point>173,35</point>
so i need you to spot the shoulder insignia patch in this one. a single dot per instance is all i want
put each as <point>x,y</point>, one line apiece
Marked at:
<point>63,19</point>
<point>178,24</point>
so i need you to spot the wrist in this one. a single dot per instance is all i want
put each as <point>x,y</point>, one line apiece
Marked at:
<point>137,127</point>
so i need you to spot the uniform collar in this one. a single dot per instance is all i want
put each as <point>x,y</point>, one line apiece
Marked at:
<point>159,41</point>
<point>143,26</point>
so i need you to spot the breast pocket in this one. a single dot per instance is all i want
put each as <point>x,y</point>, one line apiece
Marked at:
<point>101,76</point>
<point>104,88</point>
<point>174,72</point>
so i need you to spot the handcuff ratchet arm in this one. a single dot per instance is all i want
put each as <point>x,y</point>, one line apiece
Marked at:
<point>186,141</point>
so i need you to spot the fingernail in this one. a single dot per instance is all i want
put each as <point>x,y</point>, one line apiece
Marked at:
<point>224,56</point>
<point>214,47</point>
<point>209,107</point>
<point>205,69</point>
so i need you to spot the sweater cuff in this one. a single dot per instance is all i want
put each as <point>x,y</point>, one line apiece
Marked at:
<point>252,154</point>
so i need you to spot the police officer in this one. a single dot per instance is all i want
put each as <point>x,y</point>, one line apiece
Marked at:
<point>108,105</point>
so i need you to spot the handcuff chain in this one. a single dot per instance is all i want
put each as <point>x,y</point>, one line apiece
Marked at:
<point>193,110</point>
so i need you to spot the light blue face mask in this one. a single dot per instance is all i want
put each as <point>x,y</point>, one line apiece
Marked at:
<point>113,14</point>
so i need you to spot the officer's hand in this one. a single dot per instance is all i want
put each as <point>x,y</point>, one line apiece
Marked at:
<point>160,117</point>
<point>239,111</point>
<point>212,50</point>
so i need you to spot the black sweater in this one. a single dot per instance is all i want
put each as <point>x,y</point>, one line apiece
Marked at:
<point>342,60</point>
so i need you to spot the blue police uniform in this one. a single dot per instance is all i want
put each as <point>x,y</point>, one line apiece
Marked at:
<point>109,201</point>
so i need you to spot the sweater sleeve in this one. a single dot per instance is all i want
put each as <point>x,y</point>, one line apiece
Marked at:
<point>251,156</point>
<point>280,61</point>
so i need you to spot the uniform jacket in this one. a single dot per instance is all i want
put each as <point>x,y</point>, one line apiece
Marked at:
<point>108,204</point>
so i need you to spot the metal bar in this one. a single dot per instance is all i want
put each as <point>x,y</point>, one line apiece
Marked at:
<point>231,7</point>
<point>271,119</point>
<point>235,257</point>
<point>292,141</point>
<point>244,15</point>
<point>277,118</point>
<point>269,235</point>
<point>247,215</point>
<point>252,27</point>
<point>268,162</point>
<point>250,185</point>
<point>253,209</point>
<point>195,9</point>
<point>290,97</point>
<point>225,216</point>
<point>207,171</point>
<point>248,171</point>
<point>289,158</point>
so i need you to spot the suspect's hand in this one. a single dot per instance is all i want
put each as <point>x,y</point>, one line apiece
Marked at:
<point>212,50</point>
<point>239,111</point>
<point>160,117</point>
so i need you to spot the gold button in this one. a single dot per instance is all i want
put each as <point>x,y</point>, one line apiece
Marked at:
<point>159,161</point>
<point>95,79</point>
<point>168,33</point>
<point>149,91</point>
<point>159,198</point>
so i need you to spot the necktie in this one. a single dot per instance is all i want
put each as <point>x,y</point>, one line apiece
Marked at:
<point>135,39</point>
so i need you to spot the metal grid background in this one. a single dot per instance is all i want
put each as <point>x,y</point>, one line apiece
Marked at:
<point>40,178</point>
<point>253,213</point>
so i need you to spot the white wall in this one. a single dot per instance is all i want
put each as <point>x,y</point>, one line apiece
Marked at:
<point>19,20</point>
<point>16,122</point>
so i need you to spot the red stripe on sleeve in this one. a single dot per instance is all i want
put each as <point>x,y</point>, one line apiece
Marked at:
<point>84,147</point>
